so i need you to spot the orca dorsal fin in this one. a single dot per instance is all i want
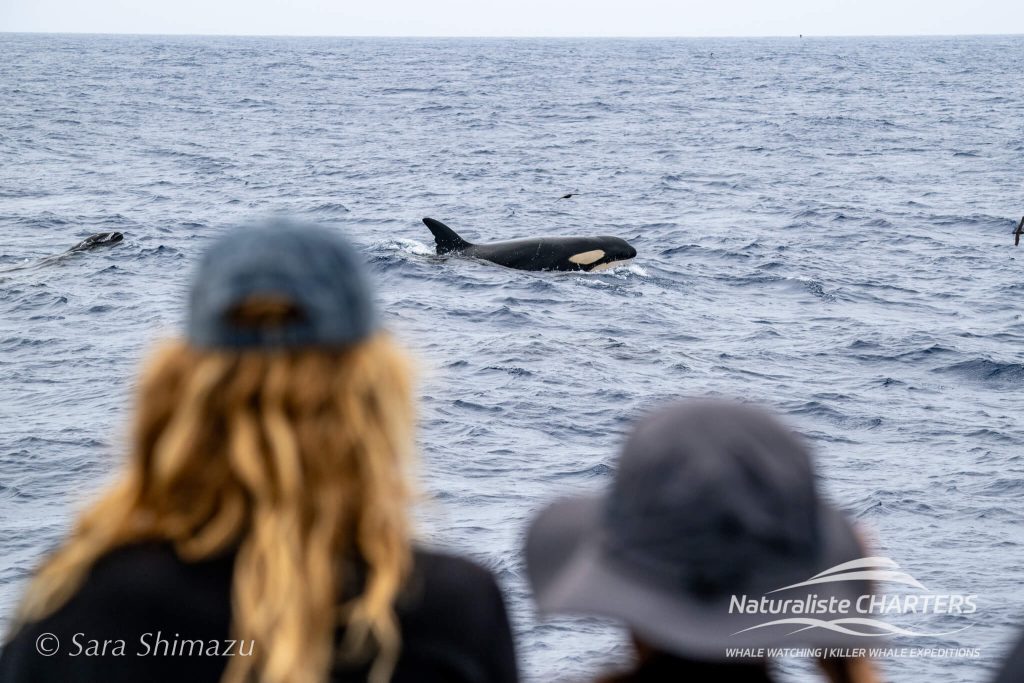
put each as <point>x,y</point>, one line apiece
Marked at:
<point>446,239</point>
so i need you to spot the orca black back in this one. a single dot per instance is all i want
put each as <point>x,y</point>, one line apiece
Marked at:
<point>538,253</point>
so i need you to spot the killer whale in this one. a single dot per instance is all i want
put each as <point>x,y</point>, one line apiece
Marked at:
<point>100,239</point>
<point>538,253</point>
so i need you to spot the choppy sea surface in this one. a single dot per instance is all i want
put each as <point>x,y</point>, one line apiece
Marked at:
<point>823,226</point>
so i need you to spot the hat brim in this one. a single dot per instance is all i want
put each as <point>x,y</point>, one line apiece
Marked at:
<point>571,573</point>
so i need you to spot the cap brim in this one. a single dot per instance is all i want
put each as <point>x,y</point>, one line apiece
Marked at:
<point>571,573</point>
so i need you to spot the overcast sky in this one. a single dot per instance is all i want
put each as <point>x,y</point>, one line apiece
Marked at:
<point>517,18</point>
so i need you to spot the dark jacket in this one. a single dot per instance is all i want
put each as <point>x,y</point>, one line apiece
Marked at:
<point>1013,667</point>
<point>665,668</point>
<point>141,611</point>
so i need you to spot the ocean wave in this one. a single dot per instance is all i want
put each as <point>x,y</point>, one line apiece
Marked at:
<point>986,370</point>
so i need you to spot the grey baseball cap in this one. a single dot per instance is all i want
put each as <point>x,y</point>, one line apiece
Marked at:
<point>311,267</point>
<point>714,505</point>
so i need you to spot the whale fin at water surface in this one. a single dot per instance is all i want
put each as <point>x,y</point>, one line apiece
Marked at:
<point>538,253</point>
<point>446,239</point>
<point>1018,232</point>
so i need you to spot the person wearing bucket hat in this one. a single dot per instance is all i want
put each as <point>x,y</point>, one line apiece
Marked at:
<point>260,529</point>
<point>702,546</point>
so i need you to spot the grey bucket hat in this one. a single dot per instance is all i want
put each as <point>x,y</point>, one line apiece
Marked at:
<point>713,507</point>
<point>313,268</point>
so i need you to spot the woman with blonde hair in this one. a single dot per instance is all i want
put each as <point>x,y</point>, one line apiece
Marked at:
<point>260,530</point>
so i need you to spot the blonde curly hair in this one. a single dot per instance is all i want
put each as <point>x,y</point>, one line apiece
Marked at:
<point>297,458</point>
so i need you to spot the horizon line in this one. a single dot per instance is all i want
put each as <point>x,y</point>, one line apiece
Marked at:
<point>514,36</point>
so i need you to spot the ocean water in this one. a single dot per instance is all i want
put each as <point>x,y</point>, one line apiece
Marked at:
<point>823,226</point>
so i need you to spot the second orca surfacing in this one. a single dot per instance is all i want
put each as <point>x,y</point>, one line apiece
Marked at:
<point>538,253</point>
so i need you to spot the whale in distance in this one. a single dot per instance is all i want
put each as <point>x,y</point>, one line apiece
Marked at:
<point>100,239</point>
<point>538,253</point>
